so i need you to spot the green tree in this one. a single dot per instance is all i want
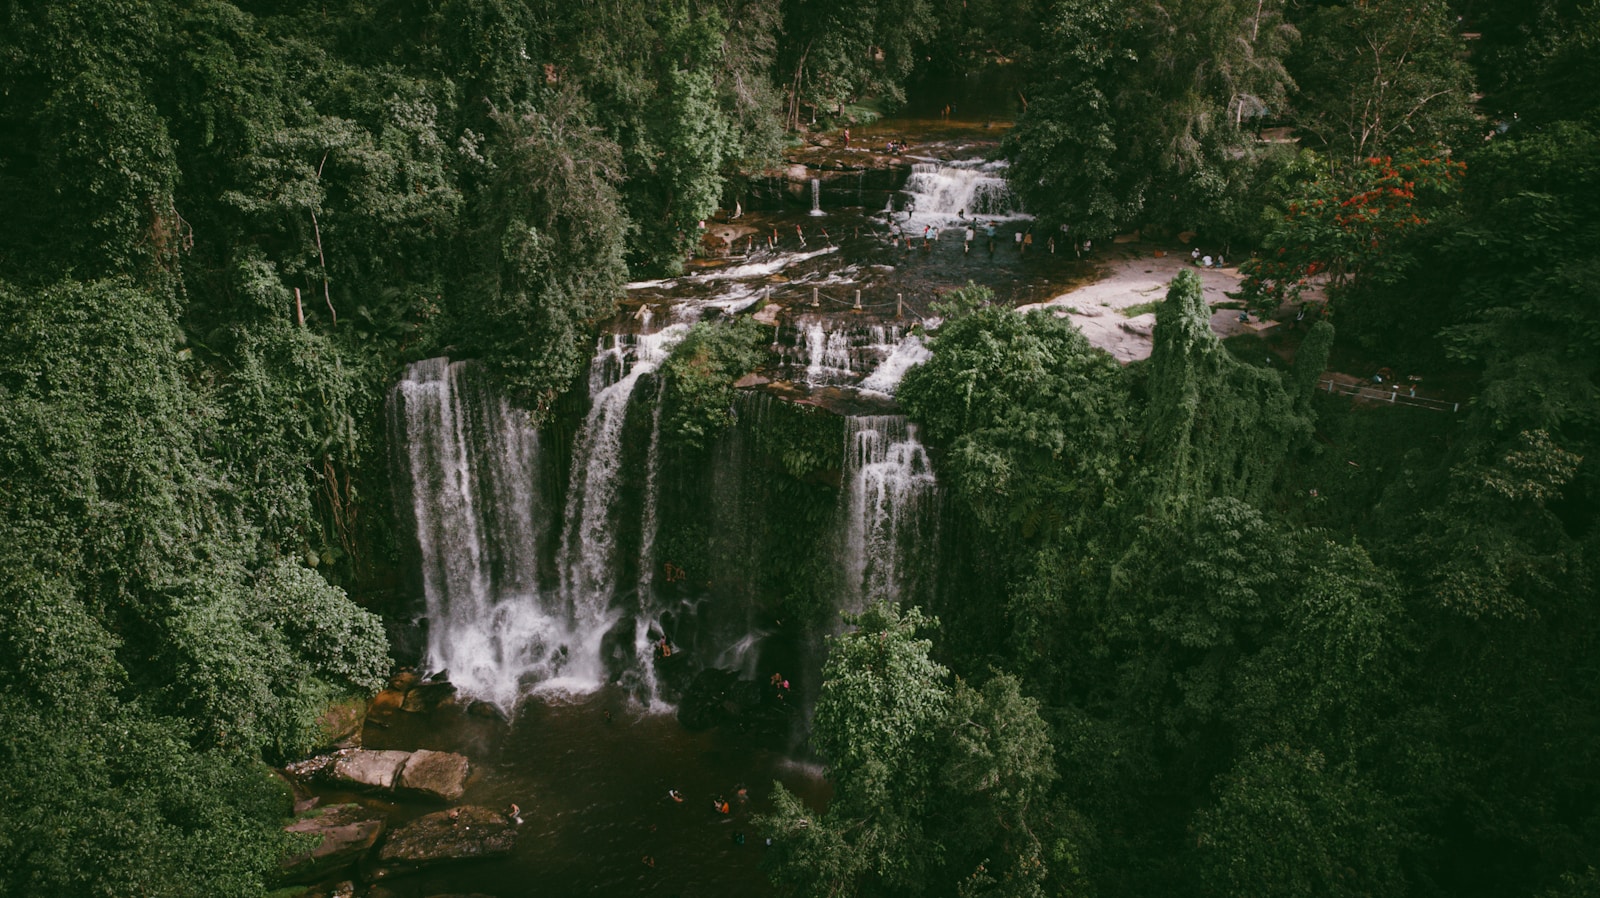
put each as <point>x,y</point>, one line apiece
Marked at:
<point>1533,60</point>
<point>1520,269</point>
<point>836,52</point>
<point>546,244</point>
<point>1034,418</point>
<point>699,377</point>
<point>1286,823</point>
<point>1214,426</point>
<point>145,669</point>
<point>1379,76</point>
<point>1143,113</point>
<point>882,704</point>
<point>936,787</point>
<point>998,768</point>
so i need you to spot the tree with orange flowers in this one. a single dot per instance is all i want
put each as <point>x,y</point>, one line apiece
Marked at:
<point>1347,223</point>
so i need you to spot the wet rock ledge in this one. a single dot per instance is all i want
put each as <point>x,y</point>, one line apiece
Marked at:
<point>371,844</point>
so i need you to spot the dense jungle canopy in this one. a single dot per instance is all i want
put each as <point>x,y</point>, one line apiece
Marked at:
<point>1232,637</point>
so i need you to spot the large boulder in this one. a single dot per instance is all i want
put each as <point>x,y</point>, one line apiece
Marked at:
<point>343,833</point>
<point>436,774</point>
<point>425,697</point>
<point>466,833</point>
<point>369,769</point>
<point>384,706</point>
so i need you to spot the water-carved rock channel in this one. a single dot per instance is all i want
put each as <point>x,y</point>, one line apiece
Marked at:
<point>553,565</point>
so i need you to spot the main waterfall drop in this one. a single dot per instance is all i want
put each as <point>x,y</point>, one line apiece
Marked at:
<point>470,468</point>
<point>594,569</point>
<point>499,622</point>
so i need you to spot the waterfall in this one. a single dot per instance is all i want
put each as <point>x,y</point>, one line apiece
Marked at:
<point>649,613</point>
<point>943,191</point>
<point>471,465</point>
<point>820,353</point>
<point>907,354</point>
<point>816,197</point>
<point>590,558</point>
<point>471,468</point>
<point>888,507</point>
<point>827,355</point>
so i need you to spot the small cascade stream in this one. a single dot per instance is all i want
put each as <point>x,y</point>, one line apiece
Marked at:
<point>888,506</point>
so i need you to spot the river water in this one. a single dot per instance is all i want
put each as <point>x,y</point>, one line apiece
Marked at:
<point>591,750</point>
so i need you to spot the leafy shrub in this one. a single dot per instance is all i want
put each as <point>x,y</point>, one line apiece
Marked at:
<point>700,374</point>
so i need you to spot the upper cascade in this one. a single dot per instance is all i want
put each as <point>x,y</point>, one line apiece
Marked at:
<point>944,190</point>
<point>817,353</point>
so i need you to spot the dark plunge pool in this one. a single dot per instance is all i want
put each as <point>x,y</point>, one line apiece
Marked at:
<point>592,775</point>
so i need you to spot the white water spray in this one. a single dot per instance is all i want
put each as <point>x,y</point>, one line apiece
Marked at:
<point>588,557</point>
<point>907,354</point>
